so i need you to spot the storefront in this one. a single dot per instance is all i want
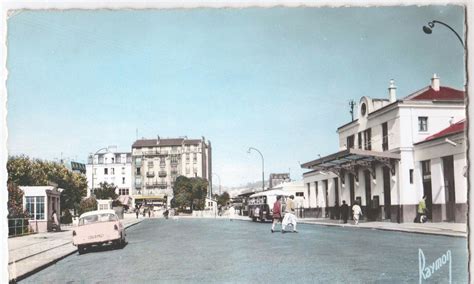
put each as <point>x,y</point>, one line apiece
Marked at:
<point>39,202</point>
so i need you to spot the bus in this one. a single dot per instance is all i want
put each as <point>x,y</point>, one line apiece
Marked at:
<point>260,204</point>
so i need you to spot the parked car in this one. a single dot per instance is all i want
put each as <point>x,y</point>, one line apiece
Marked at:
<point>98,228</point>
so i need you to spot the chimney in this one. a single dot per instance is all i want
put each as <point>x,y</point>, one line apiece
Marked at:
<point>392,91</point>
<point>435,82</point>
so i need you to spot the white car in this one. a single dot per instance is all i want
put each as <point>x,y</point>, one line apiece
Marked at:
<point>97,228</point>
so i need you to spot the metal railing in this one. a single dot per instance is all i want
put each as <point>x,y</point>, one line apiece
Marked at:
<point>19,227</point>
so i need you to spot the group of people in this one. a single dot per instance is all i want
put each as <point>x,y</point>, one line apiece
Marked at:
<point>286,219</point>
<point>356,212</point>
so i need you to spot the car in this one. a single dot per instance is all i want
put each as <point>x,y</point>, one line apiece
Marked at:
<point>97,228</point>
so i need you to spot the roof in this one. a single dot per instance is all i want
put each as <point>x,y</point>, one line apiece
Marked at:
<point>192,141</point>
<point>271,192</point>
<point>145,143</point>
<point>348,156</point>
<point>95,212</point>
<point>164,142</point>
<point>455,128</point>
<point>444,94</point>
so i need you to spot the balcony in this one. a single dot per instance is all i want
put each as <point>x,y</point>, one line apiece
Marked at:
<point>162,173</point>
<point>138,185</point>
<point>156,185</point>
<point>150,174</point>
<point>138,163</point>
<point>173,173</point>
<point>155,153</point>
<point>162,165</point>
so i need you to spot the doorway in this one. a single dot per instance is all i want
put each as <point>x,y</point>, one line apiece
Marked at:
<point>368,189</point>
<point>427,190</point>
<point>387,198</point>
<point>449,189</point>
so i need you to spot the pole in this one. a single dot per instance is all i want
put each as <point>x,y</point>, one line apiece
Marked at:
<point>263,165</point>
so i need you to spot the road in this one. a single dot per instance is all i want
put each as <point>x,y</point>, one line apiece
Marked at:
<point>216,251</point>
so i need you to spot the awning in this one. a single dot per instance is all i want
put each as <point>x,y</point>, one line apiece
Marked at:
<point>351,159</point>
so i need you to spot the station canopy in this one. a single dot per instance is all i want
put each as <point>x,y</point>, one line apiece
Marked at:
<point>350,159</point>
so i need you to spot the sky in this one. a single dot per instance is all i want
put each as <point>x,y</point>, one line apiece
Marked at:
<point>276,79</point>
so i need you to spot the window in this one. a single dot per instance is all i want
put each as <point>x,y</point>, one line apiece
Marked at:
<point>138,171</point>
<point>123,191</point>
<point>411,176</point>
<point>422,123</point>
<point>106,171</point>
<point>150,164</point>
<point>113,160</point>
<point>350,142</point>
<point>187,157</point>
<point>299,194</point>
<point>384,136</point>
<point>367,139</point>
<point>35,207</point>
<point>359,140</point>
<point>123,180</point>
<point>426,170</point>
<point>123,170</point>
<point>112,171</point>
<point>194,157</point>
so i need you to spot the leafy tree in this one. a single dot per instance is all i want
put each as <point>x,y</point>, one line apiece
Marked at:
<point>105,191</point>
<point>190,192</point>
<point>15,202</point>
<point>24,171</point>
<point>223,199</point>
<point>87,204</point>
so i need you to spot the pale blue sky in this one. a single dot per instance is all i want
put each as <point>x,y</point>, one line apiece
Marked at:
<point>276,79</point>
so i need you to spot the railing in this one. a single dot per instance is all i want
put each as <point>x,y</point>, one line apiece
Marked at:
<point>162,173</point>
<point>19,227</point>
<point>154,153</point>
<point>156,184</point>
<point>150,174</point>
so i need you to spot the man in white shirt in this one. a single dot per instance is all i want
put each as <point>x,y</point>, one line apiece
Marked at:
<point>357,212</point>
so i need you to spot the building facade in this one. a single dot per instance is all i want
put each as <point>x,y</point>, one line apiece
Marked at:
<point>156,163</point>
<point>378,164</point>
<point>39,202</point>
<point>111,167</point>
<point>276,179</point>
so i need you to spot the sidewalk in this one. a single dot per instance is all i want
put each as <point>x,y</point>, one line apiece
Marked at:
<point>29,254</point>
<point>445,229</point>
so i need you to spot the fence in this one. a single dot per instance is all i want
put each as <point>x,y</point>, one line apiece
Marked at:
<point>19,227</point>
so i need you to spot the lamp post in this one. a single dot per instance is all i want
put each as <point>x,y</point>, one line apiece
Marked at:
<point>263,165</point>
<point>220,191</point>
<point>429,29</point>
<point>92,169</point>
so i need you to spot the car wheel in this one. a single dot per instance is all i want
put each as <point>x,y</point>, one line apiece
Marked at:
<point>81,249</point>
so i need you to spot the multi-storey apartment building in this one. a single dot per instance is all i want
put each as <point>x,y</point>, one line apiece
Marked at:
<point>112,167</point>
<point>158,162</point>
<point>379,165</point>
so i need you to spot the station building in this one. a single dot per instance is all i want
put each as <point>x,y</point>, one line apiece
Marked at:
<point>397,151</point>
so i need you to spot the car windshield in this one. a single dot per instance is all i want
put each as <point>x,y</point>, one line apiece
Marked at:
<point>106,217</point>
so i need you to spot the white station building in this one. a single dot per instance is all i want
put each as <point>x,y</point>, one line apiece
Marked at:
<point>397,151</point>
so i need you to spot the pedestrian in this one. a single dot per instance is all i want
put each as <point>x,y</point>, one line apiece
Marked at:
<point>149,211</point>
<point>344,212</point>
<point>290,217</point>
<point>357,212</point>
<point>55,219</point>
<point>276,213</point>
<point>137,210</point>
<point>421,212</point>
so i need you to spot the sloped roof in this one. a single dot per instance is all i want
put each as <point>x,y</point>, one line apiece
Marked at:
<point>444,94</point>
<point>145,143</point>
<point>457,127</point>
<point>171,142</point>
<point>192,141</point>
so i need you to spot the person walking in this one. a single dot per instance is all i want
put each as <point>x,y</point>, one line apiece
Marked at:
<point>137,210</point>
<point>276,213</point>
<point>421,212</point>
<point>344,212</point>
<point>55,218</point>
<point>357,212</point>
<point>290,217</point>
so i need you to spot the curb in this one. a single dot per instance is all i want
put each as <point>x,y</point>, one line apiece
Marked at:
<point>43,266</point>
<point>455,235</point>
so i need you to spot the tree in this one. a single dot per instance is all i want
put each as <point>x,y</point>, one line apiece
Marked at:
<point>223,199</point>
<point>15,202</point>
<point>88,204</point>
<point>24,171</point>
<point>190,192</point>
<point>106,191</point>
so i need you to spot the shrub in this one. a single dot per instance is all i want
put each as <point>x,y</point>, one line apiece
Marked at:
<point>87,204</point>
<point>66,218</point>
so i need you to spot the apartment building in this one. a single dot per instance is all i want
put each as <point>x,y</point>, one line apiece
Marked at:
<point>158,162</point>
<point>112,167</point>
<point>382,157</point>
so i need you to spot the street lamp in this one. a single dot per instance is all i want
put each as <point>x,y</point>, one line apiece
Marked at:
<point>92,169</point>
<point>263,165</point>
<point>429,29</point>
<point>220,192</point>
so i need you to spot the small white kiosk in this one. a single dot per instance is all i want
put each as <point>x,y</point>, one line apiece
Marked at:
<point>39,202</point>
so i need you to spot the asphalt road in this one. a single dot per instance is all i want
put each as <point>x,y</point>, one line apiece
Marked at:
<point>217,251</point>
